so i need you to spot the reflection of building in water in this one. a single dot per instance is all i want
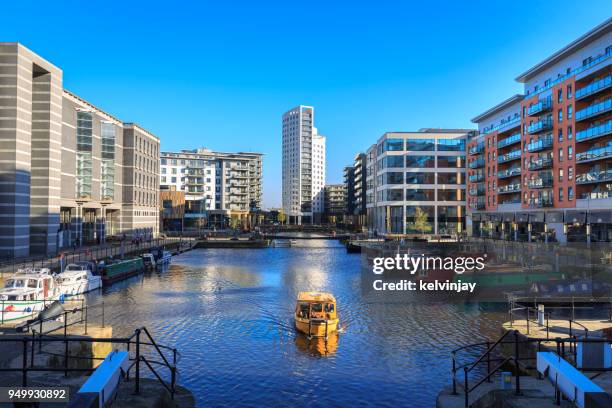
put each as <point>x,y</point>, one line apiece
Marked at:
<point>540,167</point>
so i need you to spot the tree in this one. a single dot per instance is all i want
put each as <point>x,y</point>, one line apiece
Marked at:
<point>234,222</point>
<point>421,223</point>
<point>281,216</point>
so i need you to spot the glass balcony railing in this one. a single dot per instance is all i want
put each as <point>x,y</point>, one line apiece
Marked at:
<point>542,143</point>
<point>477,149</point>
<point>595,154</point>
<point>540,182</point>
<point>513,155</point>
<point>510,188</point>
<point>514,122</point>
<point>594,110</point>
<point>594,87</point>
<point>594,131</point>
<point>540,126</point>
<point>478,206</point>
<point>515,138</point>
<point>542,106</point>
<point>477,190</point>
<point>594,177</point>
<point>540,163</point>
<point>475,164</point>
<point>474,178</point>
<point>515,171</point>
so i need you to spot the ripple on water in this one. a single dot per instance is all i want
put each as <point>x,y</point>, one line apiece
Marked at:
<point>229,313</point>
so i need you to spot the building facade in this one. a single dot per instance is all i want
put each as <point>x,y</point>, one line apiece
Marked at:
<point>63,163</point>
<point>218,186</point>
<point>303,168</point>
<point>541,165</point>
<point>335,203</point>
<point>416,183</point>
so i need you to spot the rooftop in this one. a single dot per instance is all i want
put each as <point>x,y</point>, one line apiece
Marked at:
<point>499,107</point>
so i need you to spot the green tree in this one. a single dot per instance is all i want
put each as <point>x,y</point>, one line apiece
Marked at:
<point>421,223</point>
<point>281,216</point>
<point>234,222</point>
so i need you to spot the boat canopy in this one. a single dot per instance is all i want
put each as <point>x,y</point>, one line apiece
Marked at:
<point>316,297</point>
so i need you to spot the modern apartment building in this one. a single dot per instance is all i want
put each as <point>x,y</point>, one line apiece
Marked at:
<point>355,181</point>
<point>541,164</point>
<point>335,202</point>
<point>303,167</point>
<point>217,185</point>
<point>64,164</point>
<point>416,182</point>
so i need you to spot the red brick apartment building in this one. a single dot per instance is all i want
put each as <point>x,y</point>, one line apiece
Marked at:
<point>540,166</point>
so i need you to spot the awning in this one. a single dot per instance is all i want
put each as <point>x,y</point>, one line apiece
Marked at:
<point>573,216</point>
<point>521,217</point>
<point>599,217</point>
<point>536,216</point>
<point>554,216</point>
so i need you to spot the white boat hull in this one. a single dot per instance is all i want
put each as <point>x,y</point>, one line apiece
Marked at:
<point>21,309</point>
<point>83,286</point>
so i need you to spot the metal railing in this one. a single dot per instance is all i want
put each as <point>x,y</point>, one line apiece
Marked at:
<point>154,357</point>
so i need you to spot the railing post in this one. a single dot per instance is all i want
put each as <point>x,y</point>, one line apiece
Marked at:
<point>137,382</point>
<point>488,362</point>
<point>516,362</point>
<point>466,389</point>
<point>32,351</point>
<point>24,372</point>
<point>527,308</point>
<point>454,375</point>
<point>173,382</point>
<point>86,317</point>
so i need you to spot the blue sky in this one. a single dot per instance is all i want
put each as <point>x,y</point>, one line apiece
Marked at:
<point>220,74</point>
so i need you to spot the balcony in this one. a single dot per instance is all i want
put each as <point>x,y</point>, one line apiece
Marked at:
<point>594,110</point>
<point>475,178</point>
<point>476,149</point>
<point>509,189</point>
<point>540,163</point>
<point>594,132</point>
<point>478,163</point>
<point>542,203</point>
<point>477,190</point>
<point>514,171</point>
<point>540,126</point>
<point>513,155</point>
<point>595,154</point>
<point>542,106</point>
<point>541,182</point>
<point>543,143</point>
<point>511,124</point>
<point>594,177</point>
<point>594,87</point>
<point>515,138</point>
<point>477,206</point>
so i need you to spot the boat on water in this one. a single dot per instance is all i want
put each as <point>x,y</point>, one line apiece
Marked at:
<point>283,243</point>
<point>148,260</point>
<point>27,293</point>
<point>78,278</point>
<point>157,257</point>
<point>316,314</point>
<point>117,270</point>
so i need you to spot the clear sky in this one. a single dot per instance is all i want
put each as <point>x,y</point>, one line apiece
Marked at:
<point>221,73</point>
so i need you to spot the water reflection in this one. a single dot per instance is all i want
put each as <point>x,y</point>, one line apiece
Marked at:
<point>230,313</point>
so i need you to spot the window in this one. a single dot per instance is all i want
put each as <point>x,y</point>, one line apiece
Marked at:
<point>570,173</point>
<point>560,115</point>
<point>569,133</point>
<point>569,111</point>
<point>84,160</point>
<point>420,194</point>
<point>450,195</point>
<point>420,161</point>
<point>560,155</point>
<point>569,91</point>
<point>393,161</point>
<point>449,178</point>
<point>393,178</point>
<point>393,194</point>
<point>420,178</point>
<point>560,174</point>
<point>570,193</point>
<point>420,144</point>
<point>570,152</point>
<point>107,173</point>
<point>560,134</point>
<point>394,145</point>
<point>451,161</point>
<point>560,95</point>
<point>452,145</point>
<point>560,194</point>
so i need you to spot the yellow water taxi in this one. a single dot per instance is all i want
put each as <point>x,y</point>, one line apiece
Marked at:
<point>316,314</point>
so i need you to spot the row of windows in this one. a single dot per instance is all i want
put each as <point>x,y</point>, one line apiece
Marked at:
<point>443,145</point>
<point>400,161</point>
<point>420,194</point>
<point>418,178</point>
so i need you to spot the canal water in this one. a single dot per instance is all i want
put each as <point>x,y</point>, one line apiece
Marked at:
<point>229,312</point>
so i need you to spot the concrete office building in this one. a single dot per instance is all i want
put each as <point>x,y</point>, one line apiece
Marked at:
<point>63,163</point>
<point>303,170</point>
<point>217,185</point>
<point>541,164</point>
<point>416,182</point>
<point>335,203</point>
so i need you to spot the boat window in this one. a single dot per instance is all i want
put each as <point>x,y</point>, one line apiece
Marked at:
<point>317,307</point>
<point>329,308</point>
<point>32,283</point>
<point>9,283</point>
<point>19,283</point>
<point>304,310</point>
